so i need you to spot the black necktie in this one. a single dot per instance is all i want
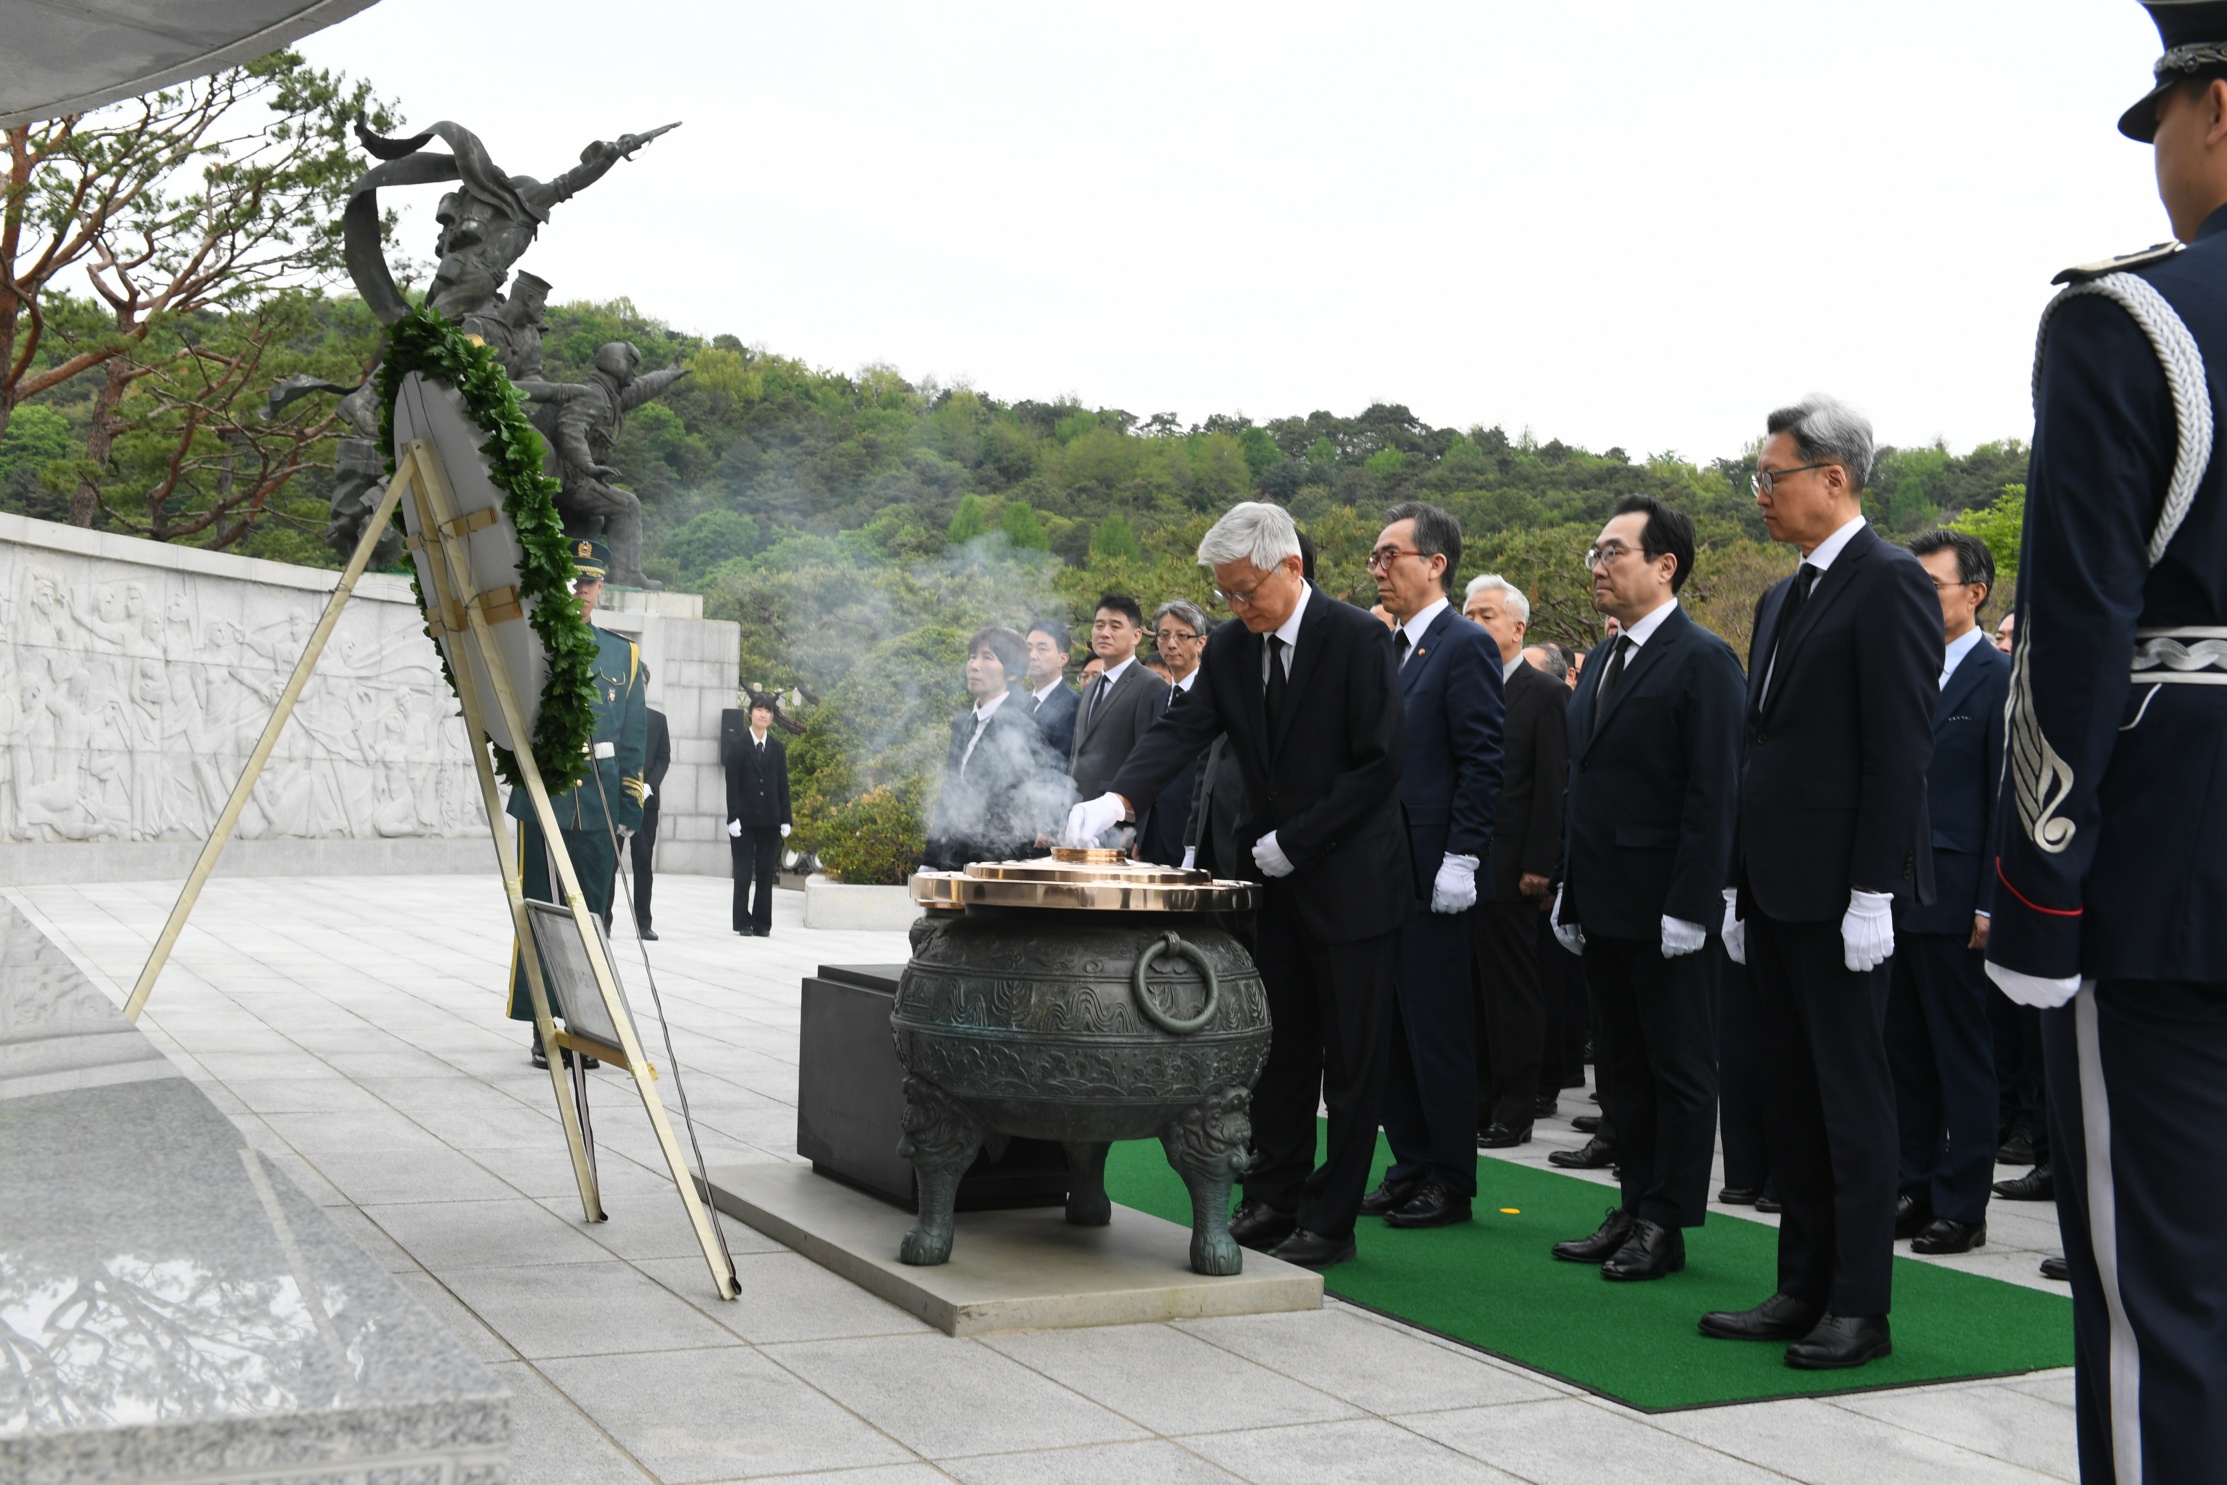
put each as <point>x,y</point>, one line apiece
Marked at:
<point>1097,692</point>
<point>1277,681</point>
<point>1805,579</point>
<point>1612,672</point>
<point>1400,645</point>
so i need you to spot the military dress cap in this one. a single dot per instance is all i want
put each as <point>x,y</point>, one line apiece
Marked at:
<point>592,558</point>
<point>2194,33</point>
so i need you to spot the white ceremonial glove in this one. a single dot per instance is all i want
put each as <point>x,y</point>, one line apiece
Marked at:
<point>2033,990</point>
<point>626,832</point>
<point>1867,931</point>
<point>785,831</point>
<point>1568,935</point>
<point>1091,819</point>
<point>1455,891</point>
<point>1734,933</point>
<point>1270,857</point>
<point>734,828</point>
<point>1681,937</point>
<point>649,791</point>
<point>1190,858</point>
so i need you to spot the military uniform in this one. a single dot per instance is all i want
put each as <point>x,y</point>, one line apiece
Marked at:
<point>2110,905</point>
<point>621,720</point>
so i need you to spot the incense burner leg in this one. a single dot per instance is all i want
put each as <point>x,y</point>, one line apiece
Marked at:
<point>941,1139</point>
<point>1209,1146</point>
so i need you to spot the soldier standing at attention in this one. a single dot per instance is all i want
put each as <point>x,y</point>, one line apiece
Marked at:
<point>2111,891</point>
<point>622,724</point>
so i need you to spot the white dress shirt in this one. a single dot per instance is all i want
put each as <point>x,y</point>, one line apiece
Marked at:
<point>1508,667</point>
<point>983,711</point>
<point>1417,625</point>
<point>1821,559</point>
<point>1188,681</point>
<point>1639,631</point>
<point>1103,685</point>
<point>1958,648</point>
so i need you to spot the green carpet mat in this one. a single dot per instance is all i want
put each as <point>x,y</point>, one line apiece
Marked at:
<point>1491,1284</point>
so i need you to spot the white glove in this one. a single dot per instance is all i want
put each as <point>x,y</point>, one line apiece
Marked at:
<point>2033,990</point>
<point>1190,858</point>
<point>1455,891</point>
<point>1270,857</point>
<point>626,832</point>
<point>734,828</point>
<point>1867,931</point>
<point>1091,819</point>
<point>1734,933</point>
<point>785,831</point>
<point>1681,937</point>
<point>1568,935</point>
<point>649,791</point>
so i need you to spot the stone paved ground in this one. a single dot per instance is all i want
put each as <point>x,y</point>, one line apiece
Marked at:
<point>353,1028</point>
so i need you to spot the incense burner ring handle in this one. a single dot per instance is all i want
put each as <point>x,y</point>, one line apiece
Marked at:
<point>1172,944</point>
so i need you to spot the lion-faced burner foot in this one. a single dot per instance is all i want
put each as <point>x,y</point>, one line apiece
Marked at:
<point>1209,1146</point>
<point>941,1139</point>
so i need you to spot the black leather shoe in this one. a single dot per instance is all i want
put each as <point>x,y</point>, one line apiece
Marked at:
<point>2036,1185</point>
<point>1841,1341</point>
<point>1944,1235</point>
<point>1598,1154</point>
<point>1653,1251</point>
<point>2056,1268</point>
<point>1313,1250</point>
<point>1740,1196</point>
<point>747,932</point>
<point>1258,1225</point>
<point>1769,1203</point>
<point>1543,1105</point>
<point>1911,1217</point>
<point>1606,1239</point>
<point>1586,1123</point>
<point>649,935</point>
<point>1432,1206</point>
<point>539,1057</point>
<point>2017,1149</point>
<point>1501,1137</point>
<point>1389,1196</point>
<point>1782,1317</point>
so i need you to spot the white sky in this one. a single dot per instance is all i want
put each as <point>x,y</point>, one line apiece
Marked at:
<point>1638,224</point>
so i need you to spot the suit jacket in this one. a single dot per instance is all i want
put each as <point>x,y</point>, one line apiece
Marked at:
<point>1960,791</point>
<point>1055,716</point>
<point>757,783</point>
<point>1450,784</point>
<point>659,759</point>
<point>993,803</point>
<point>1161,838</point>
<point>1832,771</point>
<point>1327,780</point>
<point>1653,782</point>
<point>1103,738</point>
<point>1534,759</point>
<point>1217,810</point>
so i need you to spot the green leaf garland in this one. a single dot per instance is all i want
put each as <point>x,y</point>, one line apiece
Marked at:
<point>424,342</point>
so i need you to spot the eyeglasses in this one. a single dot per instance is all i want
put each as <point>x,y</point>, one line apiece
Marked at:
<point>1606,554</point>
<point>1383,557</point>
<point>1173,637</point>
<point>1763,480</point>
<point>1238,597</point>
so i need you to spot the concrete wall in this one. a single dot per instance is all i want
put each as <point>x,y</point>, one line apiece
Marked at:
<point>135,677</point>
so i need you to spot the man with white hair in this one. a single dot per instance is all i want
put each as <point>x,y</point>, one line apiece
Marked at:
<point>1308,692</point>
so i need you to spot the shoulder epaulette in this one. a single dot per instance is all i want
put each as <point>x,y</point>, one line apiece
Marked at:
<point>2087,272</point>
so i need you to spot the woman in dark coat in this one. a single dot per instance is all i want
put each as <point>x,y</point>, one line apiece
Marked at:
<point>1002,789</point>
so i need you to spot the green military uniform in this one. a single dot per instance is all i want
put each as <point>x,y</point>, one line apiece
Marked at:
<point>622,720</point>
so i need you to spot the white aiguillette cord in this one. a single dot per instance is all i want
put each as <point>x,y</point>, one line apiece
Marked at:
<point>664,1022</point>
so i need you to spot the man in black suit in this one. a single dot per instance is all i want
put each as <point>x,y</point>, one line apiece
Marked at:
<point>644,843</point>
<point>1940,1043</point>
<point>1179,630</point>
<point>1654,755</point>
<point>1308,691</point>
<point>1118,706</point>
<point>1050,699</point>
<point>757,817</point>
<point>1526,860</point>
<point>1450,686</point>
<point>1832,832</point>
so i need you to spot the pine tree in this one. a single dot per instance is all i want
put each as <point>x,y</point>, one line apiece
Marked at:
<point>1023,531</point>
<point>1116,541</point>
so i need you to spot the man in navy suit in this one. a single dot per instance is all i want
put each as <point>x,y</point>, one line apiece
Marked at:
<point>1940,1043</point>
<point>1647,823</point>
<point>1450,688</point>
<point>1050,699</point>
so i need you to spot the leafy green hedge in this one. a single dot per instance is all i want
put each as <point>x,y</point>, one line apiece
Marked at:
<point>875,840</point>
<point>424,342</point>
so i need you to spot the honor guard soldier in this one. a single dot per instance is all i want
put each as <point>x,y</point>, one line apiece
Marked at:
<point>2111,893</point>
<point>620,744</point>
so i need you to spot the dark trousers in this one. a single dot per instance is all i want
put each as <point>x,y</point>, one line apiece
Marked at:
<point>757,853</point>
<point>1511,1016</point>
<point>594,862</point>
<point>1828,1111</point>
<point>2137,1076</point>
<point>2029,1028</point>
<point>640,850</point>
<point>1331,1008</point>
<point>1659,1041</point>
<point>1430,1082</point>
<point>1941,1051</point>
<point>1739,1080</point>
<point>1564,1019</point>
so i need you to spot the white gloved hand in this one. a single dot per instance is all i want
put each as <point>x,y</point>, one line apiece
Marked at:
<point>1568,935</point>
<point>1681,937</point>
<point>2033,990</point>
<point>1270,857</point>
<point>1091,819</point>
<point>649,791</point>
<point>734,828</point>
<point>1734,933</point>
<point>1190,858</point>
<point>785,831</point>
<point>1455,891</point>
<point>1867,931</point>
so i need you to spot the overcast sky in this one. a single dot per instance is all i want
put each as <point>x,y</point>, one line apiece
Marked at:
<point>1633,224</point>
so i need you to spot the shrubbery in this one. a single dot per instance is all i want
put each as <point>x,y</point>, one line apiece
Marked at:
<point>875,840</point>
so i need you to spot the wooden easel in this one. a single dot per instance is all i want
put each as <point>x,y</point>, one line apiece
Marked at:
<point>459,609</point>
